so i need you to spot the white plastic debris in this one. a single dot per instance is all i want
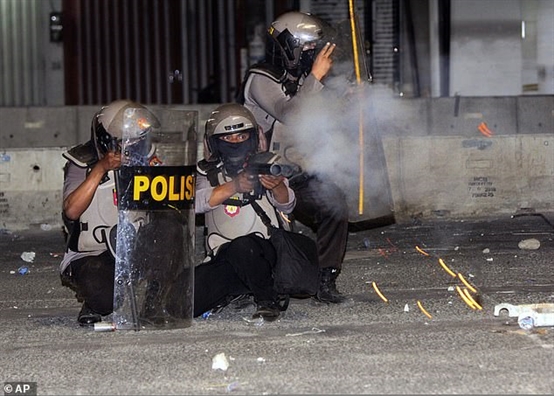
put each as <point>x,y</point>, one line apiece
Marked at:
<point>314,330</point>
<point>486,250</point>
<point>254,322</point>
<point>232,386</point>
<point>529,315</point>
<point>529,244</point>
<point>28,256</point>
<point>220,362</point>
<point>406,308</point>
<point>45,227</point>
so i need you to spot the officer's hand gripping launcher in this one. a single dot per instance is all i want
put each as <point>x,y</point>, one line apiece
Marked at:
<point>265,163</point>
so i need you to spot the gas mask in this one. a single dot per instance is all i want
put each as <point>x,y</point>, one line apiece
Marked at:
<point>234,155</point>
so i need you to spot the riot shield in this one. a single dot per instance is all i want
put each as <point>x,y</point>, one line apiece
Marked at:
<point>349,64</point>
<point>154,272</point>
<point>370,201</point>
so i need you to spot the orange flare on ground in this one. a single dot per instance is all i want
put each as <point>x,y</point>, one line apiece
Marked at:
<point>466,283</point>
<point>423,310</point>
<point>473,302</point>
<point>421,251</point>
<point>445,267</point>
<point>464,297</point>
<point>379,292</point>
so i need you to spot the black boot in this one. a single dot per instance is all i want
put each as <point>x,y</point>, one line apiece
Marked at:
<point>87,317</point>
<point>327,291</point>
<point>268,310</point>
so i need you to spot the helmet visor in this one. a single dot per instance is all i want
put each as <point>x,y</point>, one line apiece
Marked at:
<point>138,122</point>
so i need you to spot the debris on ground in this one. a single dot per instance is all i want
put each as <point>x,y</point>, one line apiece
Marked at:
<point>529,244</point>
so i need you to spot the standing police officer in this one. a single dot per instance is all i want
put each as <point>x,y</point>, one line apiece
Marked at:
<point>272,91</point>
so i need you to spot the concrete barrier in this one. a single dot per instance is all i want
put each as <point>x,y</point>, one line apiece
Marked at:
<point>451,157</point>
<point>31,188</point>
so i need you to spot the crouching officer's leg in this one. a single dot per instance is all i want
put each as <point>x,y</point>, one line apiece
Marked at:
<point>92,278</point>
<point>253,259</point>
<point>322,206</point>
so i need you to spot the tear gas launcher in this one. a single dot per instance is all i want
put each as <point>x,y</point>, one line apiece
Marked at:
<point>266,163</point>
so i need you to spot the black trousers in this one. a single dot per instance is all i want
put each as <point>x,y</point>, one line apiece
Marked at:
<point>321,205</point>
<point>157,258</point>
<point>242,266</point>
<point>92,279</point>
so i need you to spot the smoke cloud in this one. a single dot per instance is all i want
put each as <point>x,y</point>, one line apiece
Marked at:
<point>337,134</point>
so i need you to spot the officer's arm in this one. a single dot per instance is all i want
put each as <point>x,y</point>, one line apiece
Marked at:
<point>277,186</point>
<point>78,201</point>
<point>323,62</point>
<point>240,184</point>
<point>282,197</point>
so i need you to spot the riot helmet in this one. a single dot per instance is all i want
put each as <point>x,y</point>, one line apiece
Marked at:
<point>294,37</point>
<point>122,119</point>
<point>229,119</point>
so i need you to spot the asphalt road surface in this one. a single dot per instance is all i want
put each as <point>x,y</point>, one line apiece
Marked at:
<point>425,339</point>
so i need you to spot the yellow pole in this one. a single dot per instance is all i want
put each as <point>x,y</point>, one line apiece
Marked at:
<point>360,118</point>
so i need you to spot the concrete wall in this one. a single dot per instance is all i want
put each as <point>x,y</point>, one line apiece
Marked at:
<point>486,53</point>
<point>437,161</point>
<point>501,47</point>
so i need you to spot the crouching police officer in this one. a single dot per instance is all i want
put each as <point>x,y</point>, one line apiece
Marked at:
<point>90,206</point>
<point>240,257</point>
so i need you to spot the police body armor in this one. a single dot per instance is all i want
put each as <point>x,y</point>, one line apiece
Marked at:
<point>275,131</point>
<point>235,217</point>
<point>91,232</point>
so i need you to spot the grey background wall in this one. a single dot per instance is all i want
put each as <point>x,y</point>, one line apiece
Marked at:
<point>437,160</point>
<point>426,153</point>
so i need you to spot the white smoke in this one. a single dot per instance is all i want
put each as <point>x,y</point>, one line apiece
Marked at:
<point>337,132</point>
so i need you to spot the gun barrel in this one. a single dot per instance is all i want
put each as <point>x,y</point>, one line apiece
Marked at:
<point>284,169</point>
<point>272,169</point>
